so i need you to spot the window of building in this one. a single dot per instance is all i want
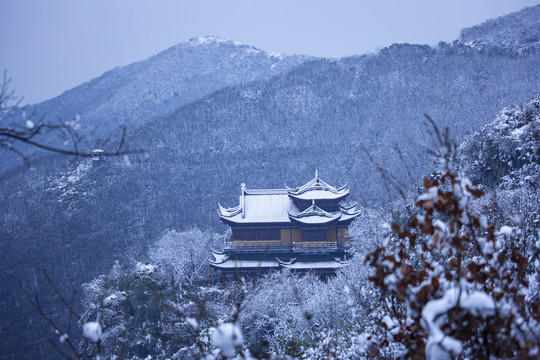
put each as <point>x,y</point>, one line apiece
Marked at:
<point>245,235</point>
<point>314,235</point>
<point>269,234</point>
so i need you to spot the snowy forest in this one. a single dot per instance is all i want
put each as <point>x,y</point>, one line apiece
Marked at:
<point>108,258</point>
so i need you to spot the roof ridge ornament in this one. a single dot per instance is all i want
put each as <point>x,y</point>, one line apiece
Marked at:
<point>243,188</point>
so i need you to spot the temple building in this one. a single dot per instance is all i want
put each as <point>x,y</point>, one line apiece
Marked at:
<point>303,229</point>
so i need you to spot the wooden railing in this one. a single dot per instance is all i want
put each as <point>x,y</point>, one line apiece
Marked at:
<point>255,244</point>
<point>277,244</point>
<point>315,245</point>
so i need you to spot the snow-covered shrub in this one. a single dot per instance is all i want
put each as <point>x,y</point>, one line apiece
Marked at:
<point>466,292</point>
<point>140,313</point>
<point>507,150</point>
<point>185,254</point>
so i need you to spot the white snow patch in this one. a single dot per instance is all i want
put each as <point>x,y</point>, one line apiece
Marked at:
<point>127,162</point>
<point>193,323</point>
<point>507,230</point>
<point>390,324</point>
<point>276,55</point>
<point>518,132</point>
<point>92,331</point>
<point>227,337</point>
<point>111,299</point>
<point>461,191</point>
<point>484,222</point>
<point>146,269</point>
<point>201,40</point>
<point>430,195</point>
<point>439,345</point>
<point>478,303</point>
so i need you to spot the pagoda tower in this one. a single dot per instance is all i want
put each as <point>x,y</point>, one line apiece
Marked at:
<point>303,229</point>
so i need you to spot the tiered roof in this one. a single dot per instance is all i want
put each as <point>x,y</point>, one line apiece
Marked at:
<point>318,189</point>
<point>314,215</point>
<point>324,263</point>
<point>259,206</point>
<point>222,261</point>
<point>278,206</point>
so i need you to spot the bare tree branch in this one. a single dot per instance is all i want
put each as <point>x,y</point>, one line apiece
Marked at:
<point>70,308</point>
<point>35,303</point>
<point>13,133</point>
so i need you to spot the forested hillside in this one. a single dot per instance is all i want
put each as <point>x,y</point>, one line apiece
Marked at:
<point>517,30</point>
<point>82,215</point>
<point>378,308</point>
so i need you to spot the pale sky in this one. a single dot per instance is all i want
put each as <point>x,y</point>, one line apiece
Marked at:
<point>49,46</point>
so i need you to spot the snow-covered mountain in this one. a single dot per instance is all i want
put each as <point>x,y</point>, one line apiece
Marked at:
<point>176,76</point>
<point>518,30</point>
<point>163,82</point>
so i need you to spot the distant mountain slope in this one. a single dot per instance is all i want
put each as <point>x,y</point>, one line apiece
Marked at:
<point>174,77</point>
<point>319,114</point>
<point>521,28</point>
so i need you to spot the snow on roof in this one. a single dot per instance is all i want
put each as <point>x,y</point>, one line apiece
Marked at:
<point>246,264</point>
<point>348,213</point>
<point>318,189</point>
<point>219,257</point>
<point>314,264</point>
<point>315,215</point>
<point>229,212</point>
<point>276,206</point>
<point>348,217</point>
<point>260,206</point>
<point>319,194</point>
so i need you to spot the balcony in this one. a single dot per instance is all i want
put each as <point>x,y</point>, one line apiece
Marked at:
<point>279,246</point>
<point>257,245</point>
<point>315,246</point>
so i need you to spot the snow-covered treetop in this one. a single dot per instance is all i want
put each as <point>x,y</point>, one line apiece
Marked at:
<point>508,148</point>
<point>216,40</point>
<point>519,29</point>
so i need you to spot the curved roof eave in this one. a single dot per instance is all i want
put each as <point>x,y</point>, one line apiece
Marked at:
<point>319,195</point>
<point>229,212</point>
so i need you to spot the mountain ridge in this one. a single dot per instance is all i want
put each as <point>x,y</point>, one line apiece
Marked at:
<point>160,68</point>
<point>517,29</point>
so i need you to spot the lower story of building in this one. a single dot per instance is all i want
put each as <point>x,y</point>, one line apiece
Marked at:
<point>287,238</point>
<point>248,264</point>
